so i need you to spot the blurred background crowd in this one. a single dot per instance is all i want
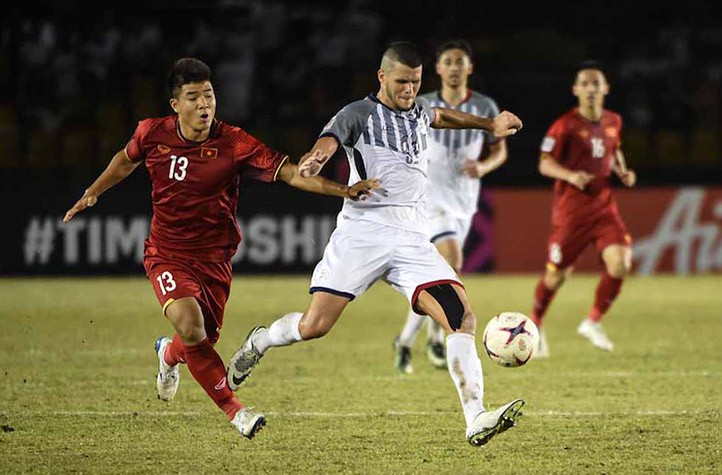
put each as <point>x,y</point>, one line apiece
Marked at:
<point>76,81</point>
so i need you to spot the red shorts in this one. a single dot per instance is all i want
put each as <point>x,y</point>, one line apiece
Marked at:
<point>208,282</point>
<point>566,243</point>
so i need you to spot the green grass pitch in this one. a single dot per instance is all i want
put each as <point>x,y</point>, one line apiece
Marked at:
<point>77,385</point>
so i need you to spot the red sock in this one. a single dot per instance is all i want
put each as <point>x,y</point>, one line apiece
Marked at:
<point>174,352</point>
<point>207,368</point>
<point>543,296</point>
<point>607,290</point>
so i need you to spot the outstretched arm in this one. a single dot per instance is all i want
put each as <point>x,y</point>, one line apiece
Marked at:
<point>551,168</point>
<point>116,171</point>
<point>313,161</point>
<point>502,125</point>
<point>289,173</point>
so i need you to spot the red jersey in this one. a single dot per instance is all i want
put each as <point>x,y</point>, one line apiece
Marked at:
<point>195,184</point>
<point>580,144</point>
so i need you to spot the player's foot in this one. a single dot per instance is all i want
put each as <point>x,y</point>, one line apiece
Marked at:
<point>542,352</point>
<point>594,332</point>
<point>248,422</point>
<point>168,376</point>
<point>436,353</point>
<point>488,424</point>
<point>402,358</point>
<point>244,360</point>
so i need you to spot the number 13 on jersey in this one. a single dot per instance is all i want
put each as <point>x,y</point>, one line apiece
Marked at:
<point>178,167</point>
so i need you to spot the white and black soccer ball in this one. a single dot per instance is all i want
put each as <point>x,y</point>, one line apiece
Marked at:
<point>511,339</point>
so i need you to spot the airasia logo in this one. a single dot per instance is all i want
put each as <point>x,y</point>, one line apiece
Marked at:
<point>696,245</point>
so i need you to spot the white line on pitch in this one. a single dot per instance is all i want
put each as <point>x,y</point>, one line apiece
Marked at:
<point>354,414</point>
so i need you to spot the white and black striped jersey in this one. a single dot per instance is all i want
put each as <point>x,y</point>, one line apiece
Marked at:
<point>449,149</point>
<point>389,145</point>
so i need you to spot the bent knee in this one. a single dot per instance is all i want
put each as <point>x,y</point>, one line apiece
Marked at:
<point>468,322</point>
<point>617,269</point>
<point>553,279</point>
<point>312,328</point>
<point>190,332</point>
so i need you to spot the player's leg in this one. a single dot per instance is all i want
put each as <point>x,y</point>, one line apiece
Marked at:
<point>193,299</point>
<point>546,288</point>
<point>433,288</point>
<point>206,365</point>
<point>322,314</point>
<point>564,246</point>
<point>616,253</point>
<point>352,261</point>
<point>451,251</point>
<point>203,362</point>
<point>447,304</point>
<point>447,234</point>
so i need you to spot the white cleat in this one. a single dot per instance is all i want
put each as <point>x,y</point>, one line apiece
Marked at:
<point>168,376</point>
<point>488,424</point>
<point>542,352</point>
<point>248,422</point>
<point>594,332</point>
<point>243,360</point>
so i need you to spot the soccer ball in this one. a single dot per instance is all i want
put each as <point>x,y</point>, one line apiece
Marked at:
<point>511,339</point>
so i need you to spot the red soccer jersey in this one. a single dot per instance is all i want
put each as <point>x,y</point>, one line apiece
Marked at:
<point>580,144</point>
<point>195,184</point>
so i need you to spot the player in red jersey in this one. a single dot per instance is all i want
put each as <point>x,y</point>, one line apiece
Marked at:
<point>580,151</point>
<point>196,164</point>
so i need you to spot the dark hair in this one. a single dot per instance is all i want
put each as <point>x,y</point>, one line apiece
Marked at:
<point>187,71</point>
<point>457,43</point>
<point>589,64</point>
<point>404,52</point>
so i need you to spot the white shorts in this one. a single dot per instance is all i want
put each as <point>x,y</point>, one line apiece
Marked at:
<point>361,252</point>
<point>443,225</point>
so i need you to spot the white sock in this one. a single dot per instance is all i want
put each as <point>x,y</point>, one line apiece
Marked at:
<point>411,328</point>
<point>465,370</point>
<point>282,332</point>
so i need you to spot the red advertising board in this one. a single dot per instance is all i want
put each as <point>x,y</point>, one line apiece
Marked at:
<point>675,230</point>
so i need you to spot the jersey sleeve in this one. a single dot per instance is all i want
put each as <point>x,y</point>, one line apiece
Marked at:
<point>553,142</point>
<point>348,123</point>
<point>426,108</point>
<point>134,148</point>
<point>256,160</point>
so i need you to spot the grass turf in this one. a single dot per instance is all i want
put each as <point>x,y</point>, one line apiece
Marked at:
<point>77,385</point>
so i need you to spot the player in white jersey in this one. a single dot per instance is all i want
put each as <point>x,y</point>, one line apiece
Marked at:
<point>384,237</point>
<point>457,161</point>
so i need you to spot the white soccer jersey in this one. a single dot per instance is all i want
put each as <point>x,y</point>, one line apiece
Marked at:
<point>389,145</point>
<point>450,190</point>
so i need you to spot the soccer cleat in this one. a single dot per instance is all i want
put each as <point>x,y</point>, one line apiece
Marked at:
<point>594,332</point>
<point>542,351</point>
<point>168,376</point>
<point>436,353</point>
<point>402,359</point>
<point>488,424</point>
<point>248,422</point>
<point>244,360</point>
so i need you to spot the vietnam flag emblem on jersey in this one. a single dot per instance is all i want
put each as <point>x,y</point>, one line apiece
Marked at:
<point>208,152</point>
